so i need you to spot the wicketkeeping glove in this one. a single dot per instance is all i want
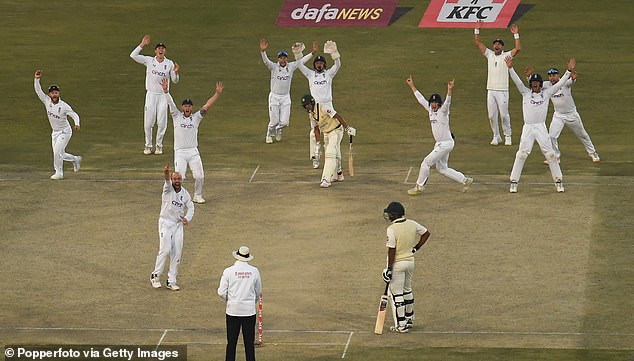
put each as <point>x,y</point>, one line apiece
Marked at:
<point>387,274</point>
<point>297,49</point>
<point>351,131</point>
<point>330,47</point>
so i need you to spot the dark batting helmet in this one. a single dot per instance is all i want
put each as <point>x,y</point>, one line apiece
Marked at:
<point>536,77</point>
<point>435,98</point>
<point>393,211</point>
<point>307,99</point>
<point>320,58</point>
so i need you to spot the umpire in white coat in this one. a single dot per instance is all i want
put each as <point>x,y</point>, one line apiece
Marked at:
<point>240,286</point>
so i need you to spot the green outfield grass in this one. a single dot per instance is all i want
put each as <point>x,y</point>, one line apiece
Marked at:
<point>571,255</point>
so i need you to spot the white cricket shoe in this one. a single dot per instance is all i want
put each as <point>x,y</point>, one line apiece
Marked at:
<point>339,177</point>
<point>595,157</point>
<point>268,139</point>
<point>399,329</point>
<point>155,281</point>
<point>172,286</point>
<point>417,190</point>
<point>158,150</point>
<point>278,136</point>
<point>508,140</point>
<point>77,164</point>
<point>496,140</point>
<point>315,162</point>
<point>467,183</point>
<point>513,188</point>
<point>147,150</point>
<point>57,176</point>
<point>324,184</point>
<point>559,186</point>
<point>200,200</point>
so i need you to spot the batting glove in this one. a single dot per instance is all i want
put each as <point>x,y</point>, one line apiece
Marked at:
<point>351,131</point>
<point>387,274</point>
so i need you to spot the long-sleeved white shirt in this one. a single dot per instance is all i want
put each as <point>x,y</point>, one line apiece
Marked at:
<point>185,128</point>
<point>174,203</point>
<point>320,84</point>
<point>240,286</point>
<point>439,119</point>
<point>562,100</point>
<point>498,72</point>
<point>281,76</point>
<point>155,71</point>
<point>535,105</point>
<point>57,113</point>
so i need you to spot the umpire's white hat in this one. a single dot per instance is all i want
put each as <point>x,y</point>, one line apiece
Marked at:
<point>242,254</point>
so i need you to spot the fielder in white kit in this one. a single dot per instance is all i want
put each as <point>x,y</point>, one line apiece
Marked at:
<point>535,102</point>
<point>279,96</point>
<point>174,200</point>
<point>498,83</point>
<point>439,119</point>
<point>58,112</point>
<point>186,126</point>
<point>158,68</point>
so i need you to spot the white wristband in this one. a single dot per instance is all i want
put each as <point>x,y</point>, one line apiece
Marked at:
<point>476,31</point>
<point>516,36</point>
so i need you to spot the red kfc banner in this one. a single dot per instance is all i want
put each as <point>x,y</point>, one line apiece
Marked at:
<point>466,13</point>
<point>299,13</point>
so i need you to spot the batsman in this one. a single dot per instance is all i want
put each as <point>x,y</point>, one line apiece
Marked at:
<point>405,237</point>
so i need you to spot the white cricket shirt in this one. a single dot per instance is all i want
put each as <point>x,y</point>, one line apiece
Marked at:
<point>320,84</point>
<point>155,71</point>
<point>57,113</point>
<point>185,128</point>
<point>240,286</point>
<point>281,76</point>
<point>535,105</point>
<point>173,204</point>
<point>498,72</point>
<point>439,119</point>
<point>562,100</point>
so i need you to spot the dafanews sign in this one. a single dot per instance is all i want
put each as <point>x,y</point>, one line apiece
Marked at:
<point>305,13</point>
<point>466,13</point>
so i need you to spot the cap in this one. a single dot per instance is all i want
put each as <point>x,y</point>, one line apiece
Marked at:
<point>552,71</point>
<point>498,41</point>
<point>187,102</point>
<point>242,254</point>
<point>281,54</point>
<point>160,45</point>
<point>435,98</point>
<point>53,88</point>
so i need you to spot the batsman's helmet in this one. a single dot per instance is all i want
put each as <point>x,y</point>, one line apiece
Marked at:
<point>393,211</point>
<point>435,98</point>
<point>320,58</point>
<point>307,99</point>
<point>536,77</point>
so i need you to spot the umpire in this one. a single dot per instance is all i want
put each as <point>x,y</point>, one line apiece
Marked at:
<point>240,287</point>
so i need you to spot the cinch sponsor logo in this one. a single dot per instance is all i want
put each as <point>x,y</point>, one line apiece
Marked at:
<point>537,102</point>
<point>558,95</point>
<point>466,13</point>
<point>53,115</point>
<point>336,13</point>
<point>159,73</point>
<point>286,77</point>
<point>187,126</point>
<point>177,204</point>
<point>320,82</point>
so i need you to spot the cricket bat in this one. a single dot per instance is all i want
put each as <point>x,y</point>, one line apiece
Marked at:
<point>258,342</point>
<point>350,159</point>
<point>380,316</point>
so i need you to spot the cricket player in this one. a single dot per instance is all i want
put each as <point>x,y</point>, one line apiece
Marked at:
<point>439,119</point>
<point>498,83</point>
<point>535,102</point>
<point>405,237</point>
<point>331,130</point>
<point>186,126</point>
<point>566,114</point>
<point>320,83</point>
<point>158,68</point>
<point>58,112</point>
<point>279,96</point>
<point>174,200</point>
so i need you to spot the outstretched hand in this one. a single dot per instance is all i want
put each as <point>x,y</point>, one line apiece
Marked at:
<point>315,47</point>
<point>164,85</point>
<point>450,85</point>
<point>571,64</point>
<point>509,62</point>
<point>220,85</point>
<point>528,71</point>
<point>176,68</point>
<point>410,81</point>
<point>146,40</point>
<point>515,29</point>
<point>263,44</point>
<point>38,74</point>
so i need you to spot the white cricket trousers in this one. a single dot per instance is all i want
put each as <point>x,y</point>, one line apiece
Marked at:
<point>279,113</point>
<point>190,157</point>
<point>171,244</point>
<point>573,121</point>
<point>439,156</point>
<point>530,134</point>
<point>498,104</point>
<point>59,141</point>
<point>332,145</point>
<point>400,285</point>
<point>155,110</point>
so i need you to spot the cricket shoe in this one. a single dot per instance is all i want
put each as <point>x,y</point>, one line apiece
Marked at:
<point>57,176</point>
<point>199,200</point>
<point>467,183</point>
<point>339,177</point>
<point>324,184</point>
<point>399,329</point>
<point>558,161</point>
<point>409,323</point>
<point>268,139</point>
<point>172,286</point>
<point>147,150</point>
<point>496,140</point>
<point>417,190</point>
<point>315,163</point>
<point>77,164</point>
<point>159,150</point>
<point>559,186</point>
<point>508,140</point>
<point>154,280</point>
<point>278,136</point>
<point>595,157</point>
<point>513,188</point>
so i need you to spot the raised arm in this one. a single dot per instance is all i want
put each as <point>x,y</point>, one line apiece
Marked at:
<point>166,172</point>
<point>330,47</point>
<point>571,68</point>
<point>476,37</point>
<point>211,101</point>
<point>516,79</point>
<point>419,96</point>
<point>447,103</point>
<point>136,53</point>
<point>516,35</point>
<point>174,73</point>
<point>38,88</point>
<point>170,101</point>
<point>264,44</point>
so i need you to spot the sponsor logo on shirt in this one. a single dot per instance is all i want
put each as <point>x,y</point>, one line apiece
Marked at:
<point>159,73</point>
<point>53,115</point>
<point>177,204</point>
<point>320,82</point>
<point>243,275</point>
<point>336,13</point>
<point>558,95</point>
<point>187,126</point>
<point>537,102</point>
<point>283,78</point>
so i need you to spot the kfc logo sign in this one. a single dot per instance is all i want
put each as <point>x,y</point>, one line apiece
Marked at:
<point>466,13</point>
<point>336,13</point>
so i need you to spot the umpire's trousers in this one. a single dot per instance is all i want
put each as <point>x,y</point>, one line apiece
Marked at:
<point>234,324</point>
